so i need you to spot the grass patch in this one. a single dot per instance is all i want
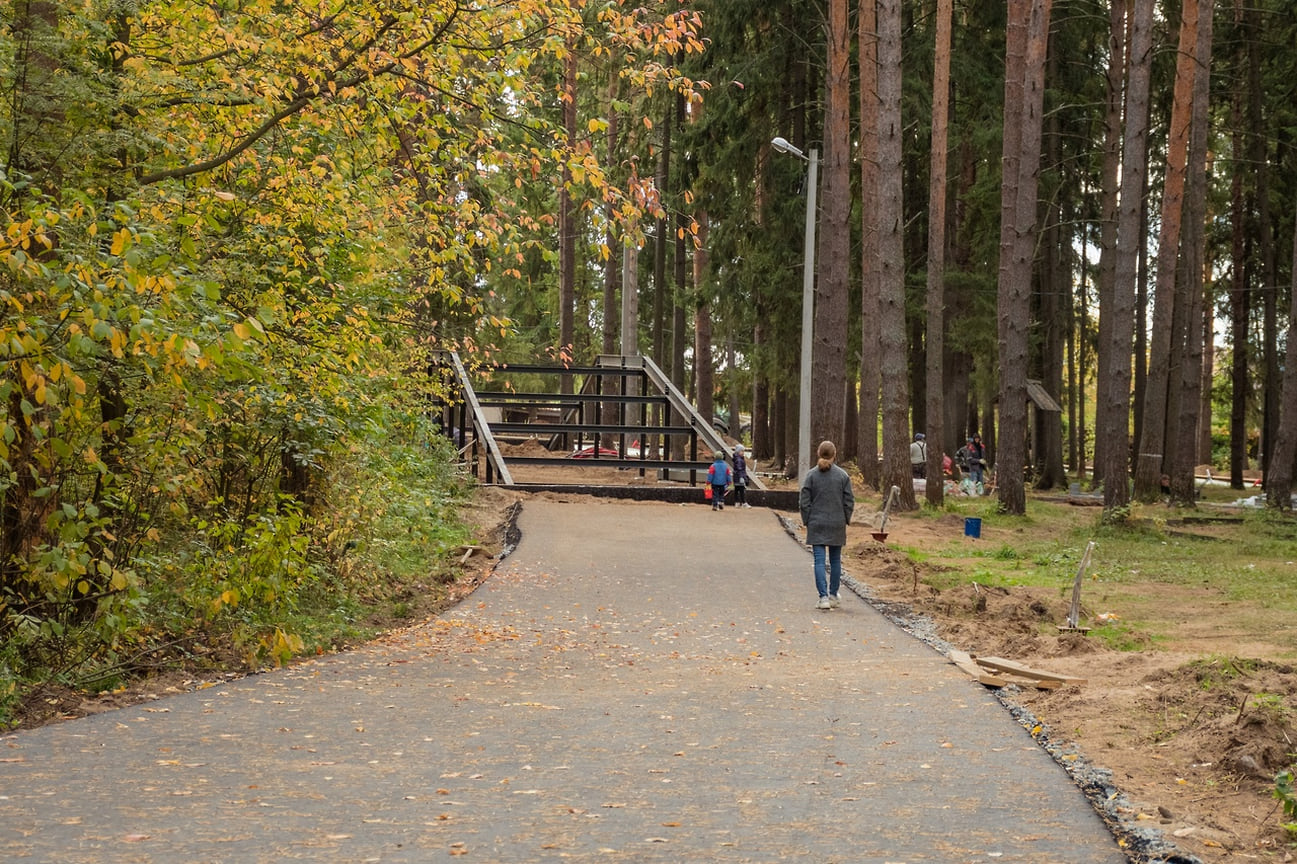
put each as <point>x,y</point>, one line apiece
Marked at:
<point>1240,562</point>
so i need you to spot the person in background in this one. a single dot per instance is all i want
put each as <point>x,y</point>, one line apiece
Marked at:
<point>975,456</point>
<point>718,475</point>
<point>740,478</point>
<point>826,501</point>
<point>919,456</point>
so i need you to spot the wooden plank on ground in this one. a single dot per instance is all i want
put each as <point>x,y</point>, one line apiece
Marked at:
<point>965,662</point>
<point>999,664</point>
<point>1041,683</point>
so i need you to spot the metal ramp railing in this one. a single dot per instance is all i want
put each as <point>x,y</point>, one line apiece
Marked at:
<point>648,416</point>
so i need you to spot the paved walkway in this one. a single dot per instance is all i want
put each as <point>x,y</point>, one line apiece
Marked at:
<point>621,690</point>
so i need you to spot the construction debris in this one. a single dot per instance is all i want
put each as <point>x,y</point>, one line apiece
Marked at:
<point>965,661</point>
<point>998,672</point>
<point>1074,614</point>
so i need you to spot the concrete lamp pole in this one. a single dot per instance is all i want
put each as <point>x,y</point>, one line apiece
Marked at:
<point>808,304</point>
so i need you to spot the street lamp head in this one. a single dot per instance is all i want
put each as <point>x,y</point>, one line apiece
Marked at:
<point>781,145</point>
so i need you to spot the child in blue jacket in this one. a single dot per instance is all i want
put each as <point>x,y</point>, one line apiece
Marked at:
<point>719,477</point>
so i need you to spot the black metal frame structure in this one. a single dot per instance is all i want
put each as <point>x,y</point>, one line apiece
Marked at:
<point>622,404</point>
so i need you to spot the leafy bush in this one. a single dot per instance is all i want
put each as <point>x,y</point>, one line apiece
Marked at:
<point>1285,793</point>
<point>265,580</point>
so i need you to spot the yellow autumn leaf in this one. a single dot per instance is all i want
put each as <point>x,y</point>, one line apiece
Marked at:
<point>121,241</point>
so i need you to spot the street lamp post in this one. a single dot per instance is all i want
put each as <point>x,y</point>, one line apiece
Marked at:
<point>808,304</point>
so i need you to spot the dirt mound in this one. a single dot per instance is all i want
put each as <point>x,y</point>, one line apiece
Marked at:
<point>1228,711</point>
<point>1192,739</point>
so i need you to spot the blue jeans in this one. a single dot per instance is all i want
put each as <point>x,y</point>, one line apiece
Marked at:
<point>834,580</point>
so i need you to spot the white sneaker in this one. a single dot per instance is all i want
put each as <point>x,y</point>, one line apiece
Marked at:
<point>747,506</point>
<point>824,603</point>
<point>834,602</point>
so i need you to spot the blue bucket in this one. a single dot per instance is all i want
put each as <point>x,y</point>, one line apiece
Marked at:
<point>972,527</point>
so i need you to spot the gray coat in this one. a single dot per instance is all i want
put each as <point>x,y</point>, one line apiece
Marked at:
<point>826,502</point>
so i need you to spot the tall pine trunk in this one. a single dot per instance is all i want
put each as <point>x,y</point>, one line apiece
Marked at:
<point>870,356</point>
<point>891,264</point>
<point>1108,213</point>
<point>1278,480</point>
<point>1153,458</point>
<point>1054,294</point>
<point>829,347</point>
<point>1185,442</point>
<point>936,300</point>
<point>1024,85</point>
<point>1113,390</point>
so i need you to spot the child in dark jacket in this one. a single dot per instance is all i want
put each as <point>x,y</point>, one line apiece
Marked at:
<point>719,477</point>
<point>740,478</point>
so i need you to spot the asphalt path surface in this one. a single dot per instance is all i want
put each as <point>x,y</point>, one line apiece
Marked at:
<point>635,683</point>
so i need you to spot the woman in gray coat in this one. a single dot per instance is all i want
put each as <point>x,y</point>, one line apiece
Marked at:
<point>826,502</point>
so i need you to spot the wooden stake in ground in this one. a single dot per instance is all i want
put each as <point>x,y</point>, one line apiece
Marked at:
<point>1074,614</point>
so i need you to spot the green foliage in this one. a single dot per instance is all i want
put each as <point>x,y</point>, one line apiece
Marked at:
<point>1122,636</point>
<point>282,580</point>
<point>1005,552</point>
<point>1286,795</point>
<point>1212,672</point>
<point>221,276</point>
<point>1273,705</point>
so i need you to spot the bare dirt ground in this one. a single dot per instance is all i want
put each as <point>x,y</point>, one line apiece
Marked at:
<point>1188,728</point>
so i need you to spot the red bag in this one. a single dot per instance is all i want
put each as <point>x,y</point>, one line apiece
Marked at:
<point>707,492</point>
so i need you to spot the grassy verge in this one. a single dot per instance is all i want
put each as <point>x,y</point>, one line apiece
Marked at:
<point>1241,560</point>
